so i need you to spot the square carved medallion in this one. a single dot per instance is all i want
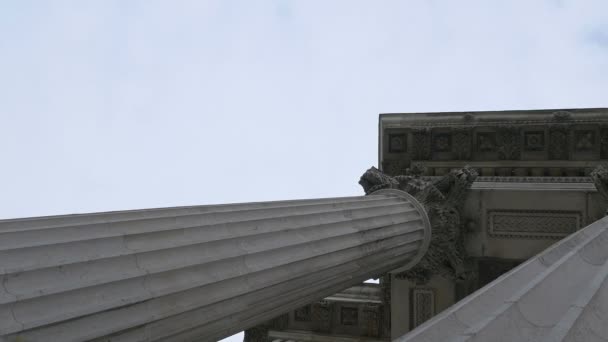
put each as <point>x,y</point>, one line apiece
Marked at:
<point>397,143</point>
<point>349,316</point>
<point>442,142</point>
<point>534,141</point>
<point>584,141</point>
<point>486,141</point>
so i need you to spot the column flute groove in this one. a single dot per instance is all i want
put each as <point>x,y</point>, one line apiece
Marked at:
<point>195,273</point>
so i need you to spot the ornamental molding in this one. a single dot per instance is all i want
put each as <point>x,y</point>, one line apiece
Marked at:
<point>442,124</point>
<point>505,179</point>
<point>559,145</point>
<point>477,119</point>
<point>533,224</point>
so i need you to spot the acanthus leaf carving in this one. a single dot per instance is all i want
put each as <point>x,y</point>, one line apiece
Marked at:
<point>558,142</point>
<point>462,144</point>
<point>421,149</point>
<point>509,145</point>
<point>443,199</point>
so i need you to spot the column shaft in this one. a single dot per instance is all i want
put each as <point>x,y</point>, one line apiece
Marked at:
<point>195,273</point>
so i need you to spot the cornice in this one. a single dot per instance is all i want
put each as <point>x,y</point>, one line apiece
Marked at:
<point>494,118</point>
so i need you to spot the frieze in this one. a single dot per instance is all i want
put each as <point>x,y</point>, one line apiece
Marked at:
<point>371,319</point>
<point>462,144</point>
<point>349,316</point>
<point>543,224</point>
<point>584,140</point>
<point>604,143</point>
<point>421,149</point>
<point>508,143</point>
<point>534,141</point>
<point>397,143</point>
<point>558,143</point>
<point>302,314</point>
<point>442,142</point>
<point>486,141</point>
<point>483,140</point>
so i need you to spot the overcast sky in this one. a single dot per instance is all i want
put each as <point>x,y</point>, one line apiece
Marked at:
<point>110,105</point>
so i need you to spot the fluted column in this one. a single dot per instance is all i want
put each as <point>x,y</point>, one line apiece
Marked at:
<point>195,273</point>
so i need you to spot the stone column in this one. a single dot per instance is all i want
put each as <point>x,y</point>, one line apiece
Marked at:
<point>195,273</point>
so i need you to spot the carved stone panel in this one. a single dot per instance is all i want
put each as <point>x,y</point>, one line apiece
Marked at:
<point>486,141</point>
<point>421,149</point>
<point>422,305</point>
<point>604,143</point>
<point>442,142</point>
<point>584,140</point>
<point>508,143</point>
<point>534,141</point>
<point>558,143</point>
<point>462,144</point>
<point>397,143</point>
<point>533,223</point>
<point>371,319</point>
<point>302,314</point>
<point>349,316</point>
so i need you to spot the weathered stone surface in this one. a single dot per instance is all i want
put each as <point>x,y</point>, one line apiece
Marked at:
<point>600,180</point>
<point>195,273</point>
<point>559,295</point>
<point>443,199</point>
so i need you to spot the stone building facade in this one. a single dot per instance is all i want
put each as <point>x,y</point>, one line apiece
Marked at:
<point>533,188</point>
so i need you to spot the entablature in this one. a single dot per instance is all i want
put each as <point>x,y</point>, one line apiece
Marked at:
<point>537,143</point>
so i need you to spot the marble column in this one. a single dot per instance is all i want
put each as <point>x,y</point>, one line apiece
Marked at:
<point>195,273</point>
